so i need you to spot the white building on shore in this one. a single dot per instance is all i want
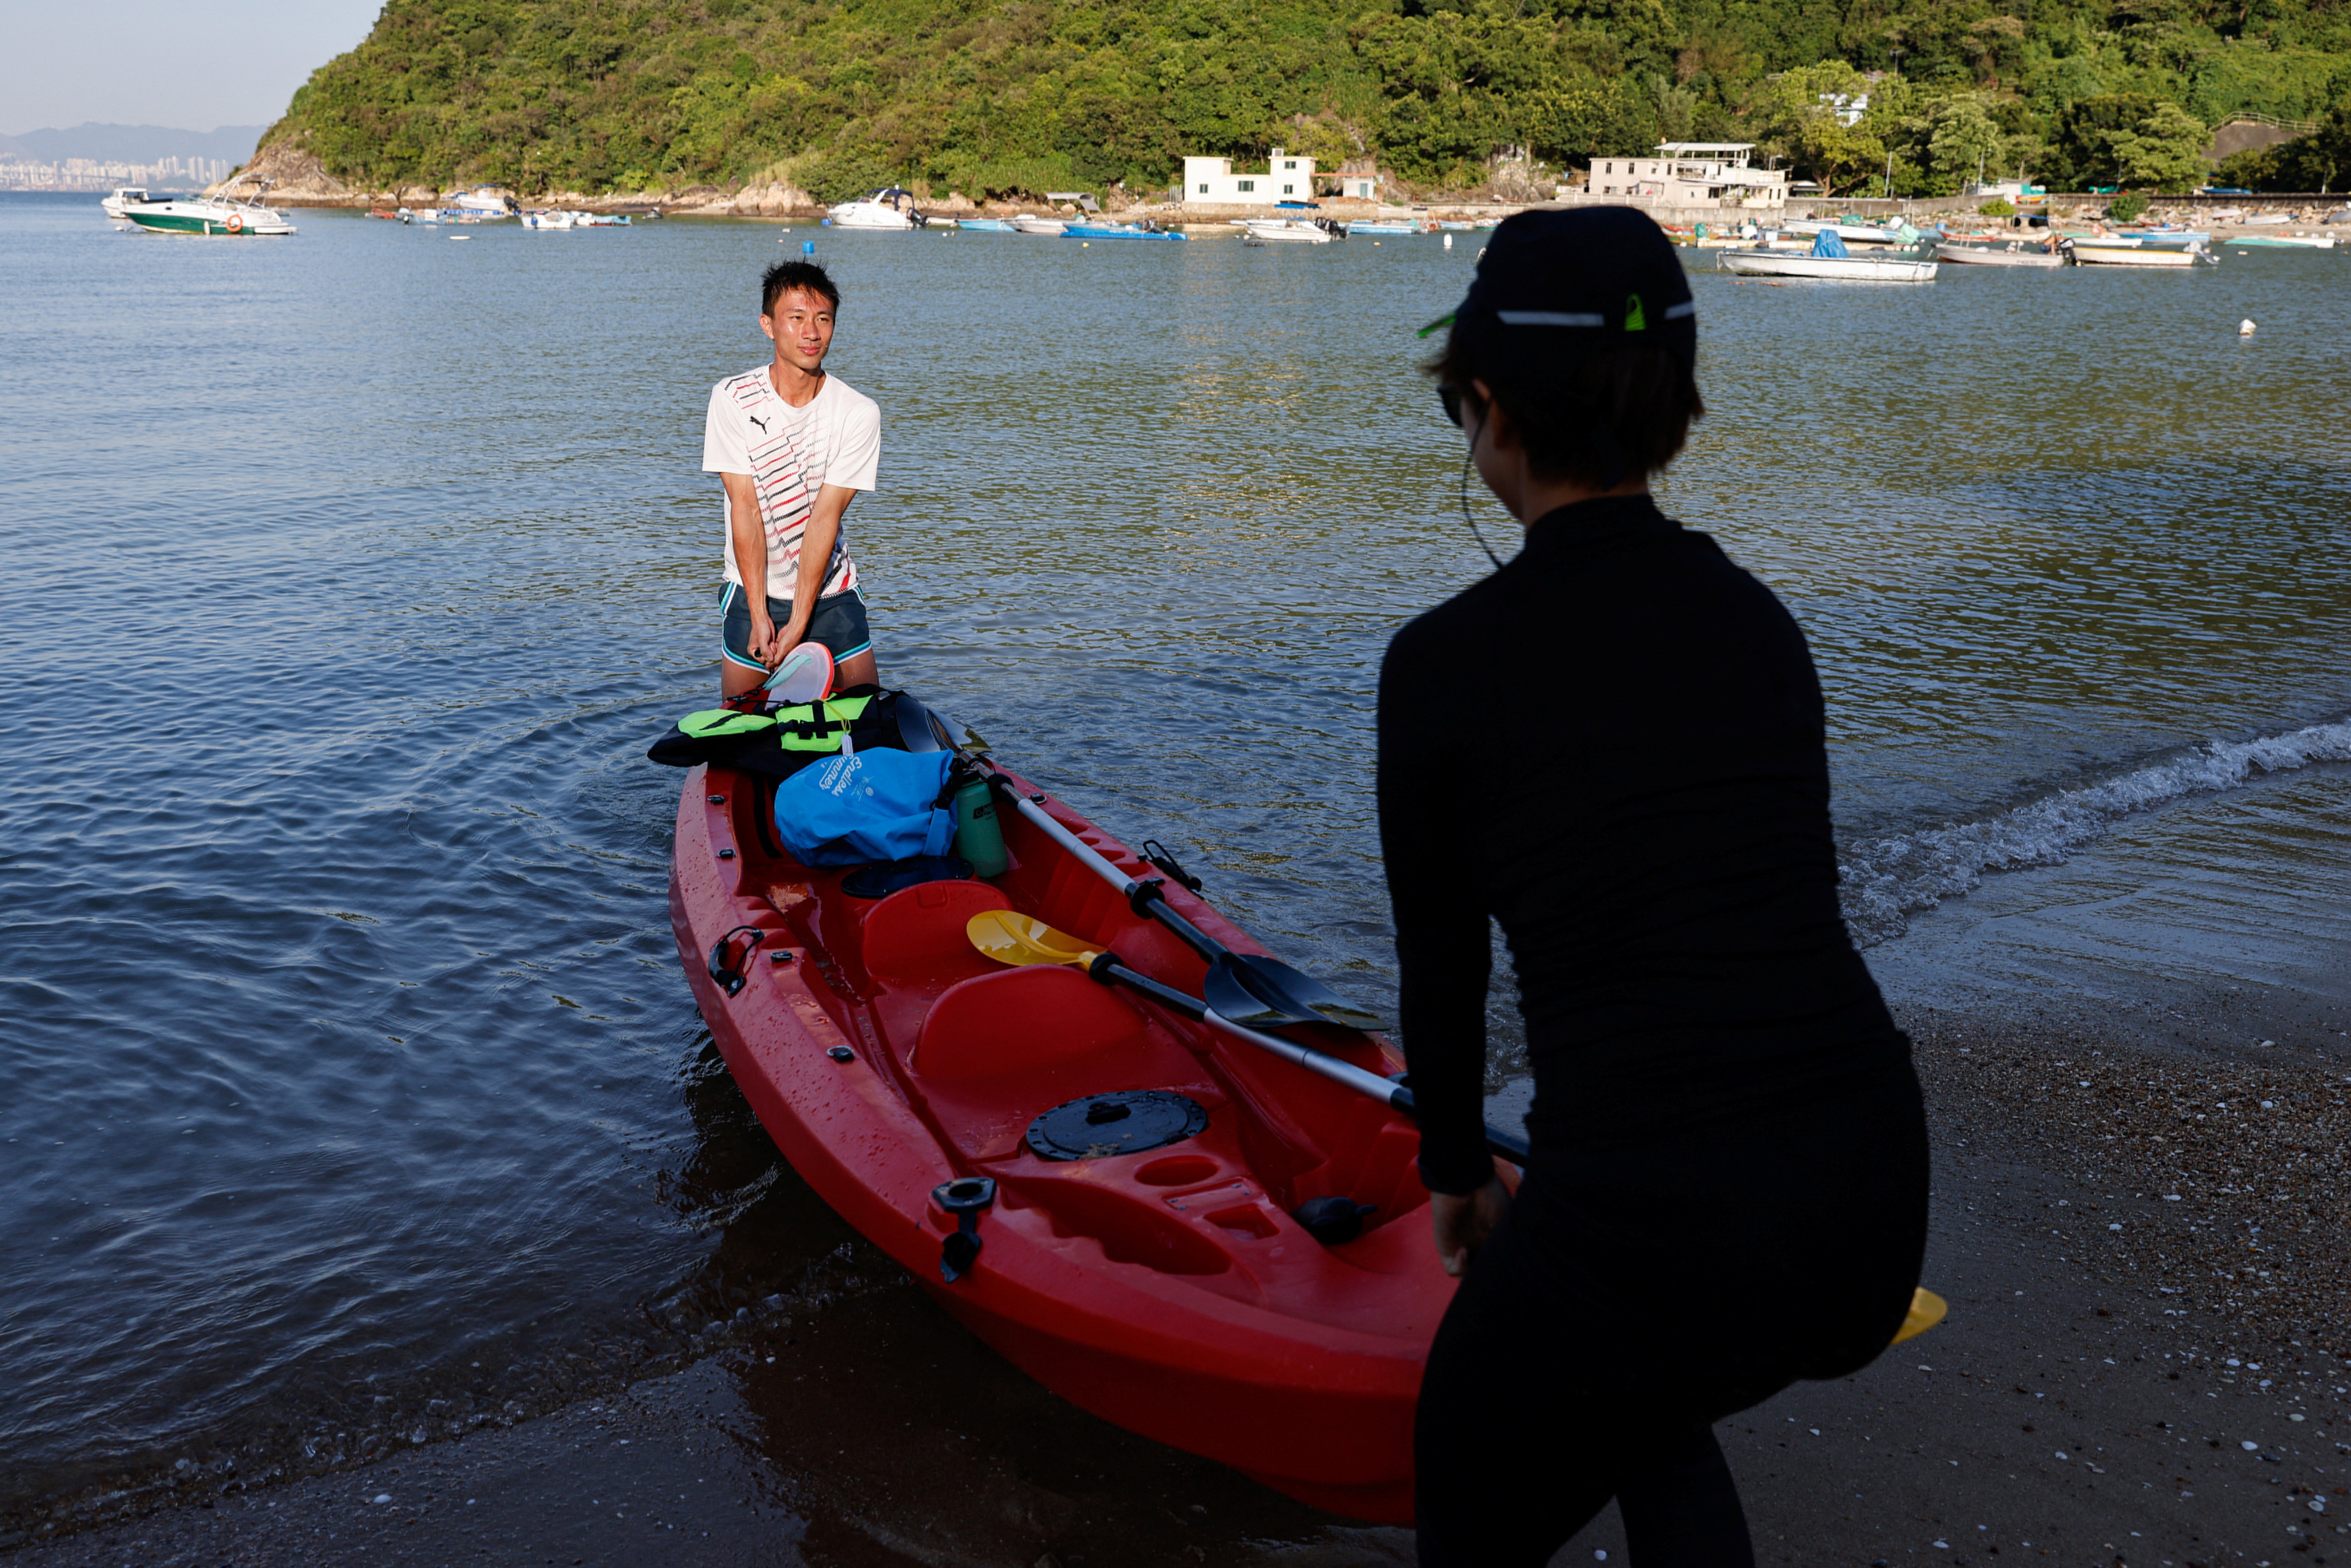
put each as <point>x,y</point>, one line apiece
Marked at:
<point>1214,181</point>
<point>1691,174</point>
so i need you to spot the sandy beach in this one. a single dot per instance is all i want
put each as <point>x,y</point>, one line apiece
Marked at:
<point>2143,1243</point>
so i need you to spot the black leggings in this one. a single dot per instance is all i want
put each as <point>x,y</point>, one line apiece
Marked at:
<point>1628,1303</point>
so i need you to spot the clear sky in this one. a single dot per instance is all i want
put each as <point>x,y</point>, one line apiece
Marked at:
<point>192,64</point>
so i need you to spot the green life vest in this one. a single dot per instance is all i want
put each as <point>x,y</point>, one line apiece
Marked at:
<point>803,726</point>
<point>713,722</point>
<point>818,727</point>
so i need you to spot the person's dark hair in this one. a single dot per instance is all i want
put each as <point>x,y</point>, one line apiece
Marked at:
<point>1599,417</point>
<point>786,275</point>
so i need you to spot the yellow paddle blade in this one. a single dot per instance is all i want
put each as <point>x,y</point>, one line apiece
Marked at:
<point>1927,1309</point>
<point>1010,937</point>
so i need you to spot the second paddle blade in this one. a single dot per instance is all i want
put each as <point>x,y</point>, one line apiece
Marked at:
<point>1261,992</point>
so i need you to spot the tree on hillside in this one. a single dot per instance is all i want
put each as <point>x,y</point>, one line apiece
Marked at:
<point>1962,138</point>
<point>1994,45</point>
<point>2165,152</point>
<point>1800,114</point>
<point>2084,151</point>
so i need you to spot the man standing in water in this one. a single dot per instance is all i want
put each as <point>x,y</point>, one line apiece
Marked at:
<point>1728,1187</point>
<point>792,445</point>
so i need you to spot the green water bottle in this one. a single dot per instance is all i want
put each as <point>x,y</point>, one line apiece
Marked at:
<point>979,837</point>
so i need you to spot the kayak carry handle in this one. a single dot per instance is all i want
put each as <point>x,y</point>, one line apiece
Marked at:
<point>723,967</point>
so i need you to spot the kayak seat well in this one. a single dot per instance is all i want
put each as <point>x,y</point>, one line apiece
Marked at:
<point>917,935</point>
<point>1022,1020</point>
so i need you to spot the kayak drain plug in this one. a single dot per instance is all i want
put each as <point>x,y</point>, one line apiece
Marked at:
<point>964,1197</point>
<point>842,1053</point>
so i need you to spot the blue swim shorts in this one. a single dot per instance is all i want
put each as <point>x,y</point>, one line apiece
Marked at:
<point>839,623</point>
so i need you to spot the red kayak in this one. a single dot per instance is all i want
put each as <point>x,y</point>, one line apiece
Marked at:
<point>1111,1185</point>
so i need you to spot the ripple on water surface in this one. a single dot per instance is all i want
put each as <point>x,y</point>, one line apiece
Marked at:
<point>351,574</point>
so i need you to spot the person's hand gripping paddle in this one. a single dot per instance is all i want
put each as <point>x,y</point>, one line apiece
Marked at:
<point>803,675</point>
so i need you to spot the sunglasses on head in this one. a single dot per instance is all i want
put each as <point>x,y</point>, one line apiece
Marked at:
<point>1455,399</point>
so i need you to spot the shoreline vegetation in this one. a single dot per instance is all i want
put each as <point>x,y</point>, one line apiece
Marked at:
<point>1458,100</point>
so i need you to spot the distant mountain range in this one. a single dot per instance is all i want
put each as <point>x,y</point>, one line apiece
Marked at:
<point>132,143</point>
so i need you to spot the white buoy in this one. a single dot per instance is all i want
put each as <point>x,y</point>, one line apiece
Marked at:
<point>2245,328</point>
<point>1448,242</point>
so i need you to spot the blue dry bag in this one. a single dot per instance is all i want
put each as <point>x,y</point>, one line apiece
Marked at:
<point>877,805</point>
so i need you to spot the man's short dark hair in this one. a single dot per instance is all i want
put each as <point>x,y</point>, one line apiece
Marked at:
<point>1596,419</point>
<point>787,275</point>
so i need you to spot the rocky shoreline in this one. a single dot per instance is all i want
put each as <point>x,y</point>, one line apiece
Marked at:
<point>2144,1241</point>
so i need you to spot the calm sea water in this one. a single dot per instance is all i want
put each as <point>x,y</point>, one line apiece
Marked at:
<point>349,575</point>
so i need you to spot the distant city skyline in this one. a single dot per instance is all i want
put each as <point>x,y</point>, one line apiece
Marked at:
<point>166,62</point>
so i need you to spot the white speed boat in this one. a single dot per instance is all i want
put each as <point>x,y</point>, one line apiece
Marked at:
<point>1855,234</point>
<point>485,201</point>
<point>119,204</point>
<point>224,213</point>
<point>1032,223</point>
<point>887,208</point>
<point>1291,231</point>
<point>2012,254</point>
<point>2109,253</point>
<point>1838,269</point>
<point>550,220</point>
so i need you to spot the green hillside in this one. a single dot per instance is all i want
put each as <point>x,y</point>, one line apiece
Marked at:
<point>1006,97</point>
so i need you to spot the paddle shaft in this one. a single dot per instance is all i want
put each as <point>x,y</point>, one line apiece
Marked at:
<point>1143,897</point>
<point>1361,1081</point>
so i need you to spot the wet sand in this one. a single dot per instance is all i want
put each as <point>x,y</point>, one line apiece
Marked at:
<point>2143,1240</point>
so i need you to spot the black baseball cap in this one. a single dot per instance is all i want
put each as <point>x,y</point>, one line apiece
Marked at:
<point>1578,280</point>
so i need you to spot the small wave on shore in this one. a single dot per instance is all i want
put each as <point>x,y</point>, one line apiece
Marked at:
<point>1888,878</point>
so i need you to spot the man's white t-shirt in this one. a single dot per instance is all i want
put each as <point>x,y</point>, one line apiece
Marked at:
<point>790,454</point>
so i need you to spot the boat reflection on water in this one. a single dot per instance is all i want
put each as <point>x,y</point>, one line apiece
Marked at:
<point>881,1421</point>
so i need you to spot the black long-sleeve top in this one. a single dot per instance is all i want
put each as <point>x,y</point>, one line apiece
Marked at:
<point>1614,747</point>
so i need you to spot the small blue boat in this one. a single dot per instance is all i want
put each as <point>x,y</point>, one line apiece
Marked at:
<point>1119,231</point>
<point>986,226</point>
<point>1384,226</point>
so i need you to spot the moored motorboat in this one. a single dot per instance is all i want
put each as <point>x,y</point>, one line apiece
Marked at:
<point>222,213</point>
<point>1140,1193</point>
<point>1119,231</point>
<point>1836,268</point>
<point>2106,252</point>
<point>2283,242</point>
<point>1035,224</point>
<point>125,197</point>
<point>2013,253</point>
<point>1852,233</point>
<point>1291,231</point>
<point>986,226</point>
<point>485,203</point>
<point>1386,226</point>
<point>550,220</point>
<point>887,208</point>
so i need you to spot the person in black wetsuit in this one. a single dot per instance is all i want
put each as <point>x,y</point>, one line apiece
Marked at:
<point>1614,747</point>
